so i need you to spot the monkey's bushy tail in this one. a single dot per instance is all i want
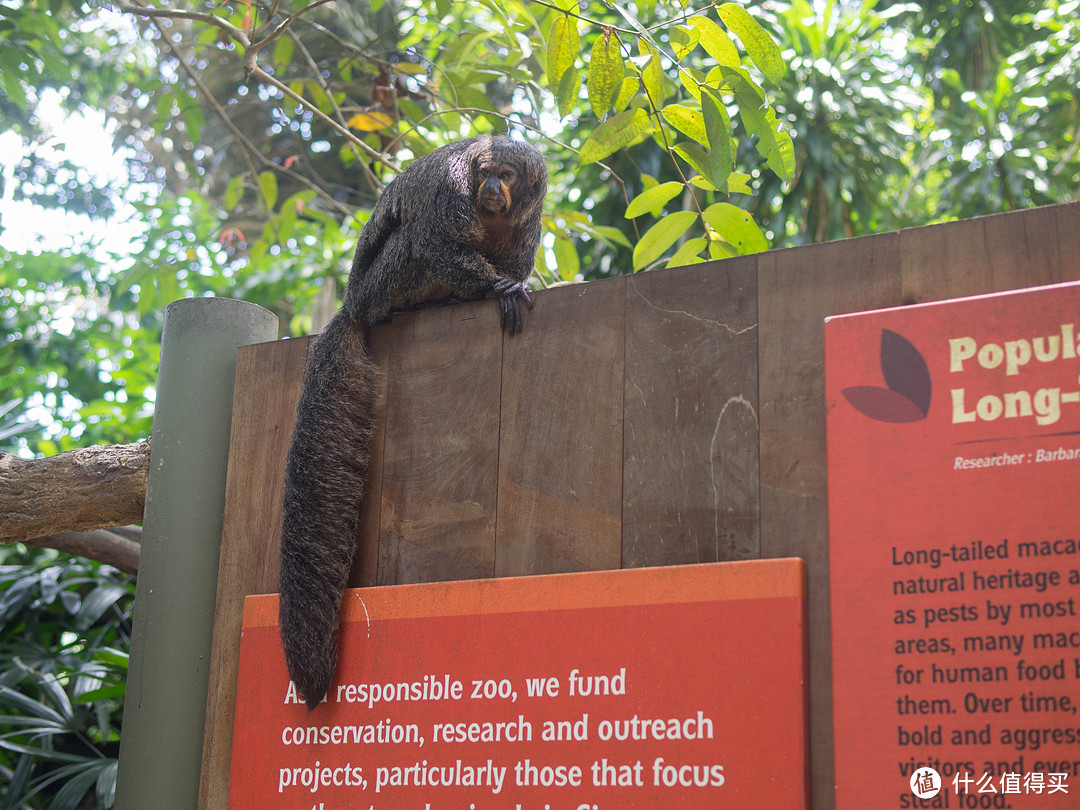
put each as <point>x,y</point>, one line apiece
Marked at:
<point>324,479</point>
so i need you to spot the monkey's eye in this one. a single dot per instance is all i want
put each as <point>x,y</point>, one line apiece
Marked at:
<point>508,176</point>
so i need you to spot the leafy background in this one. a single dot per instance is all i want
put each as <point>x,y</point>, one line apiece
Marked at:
<point>244,142</point>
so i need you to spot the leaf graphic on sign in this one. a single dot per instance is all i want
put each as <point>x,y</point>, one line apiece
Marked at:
<point>907,397</point>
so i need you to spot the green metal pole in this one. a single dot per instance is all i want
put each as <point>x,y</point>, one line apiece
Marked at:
<point>165,707</point>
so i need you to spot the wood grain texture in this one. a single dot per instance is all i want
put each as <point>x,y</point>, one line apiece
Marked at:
<point>690,443</point>
<point>267,388</point>
<point>441,451</point>
<point>560,457</point>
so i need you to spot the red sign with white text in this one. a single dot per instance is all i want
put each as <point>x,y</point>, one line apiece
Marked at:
<point>954,519</point>
<point>665,687</point>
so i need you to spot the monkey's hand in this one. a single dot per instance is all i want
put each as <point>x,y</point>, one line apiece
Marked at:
<point>510,311</point>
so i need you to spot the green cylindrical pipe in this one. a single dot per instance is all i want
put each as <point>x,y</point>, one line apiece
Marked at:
<point>165,706</point>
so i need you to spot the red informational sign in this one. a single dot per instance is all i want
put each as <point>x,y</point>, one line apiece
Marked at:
<point>650,688</point>
<point>954,520</point>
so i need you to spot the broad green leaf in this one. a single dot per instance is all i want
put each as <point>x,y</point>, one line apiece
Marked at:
<point>687,120</point>
<point>737,227</point>
<point>689,252</point>
<point>652,200</point>
<point>718,127</point>
<point>283,53</point>
<point>652,76</point>
<point>563,46</point>
<point>719,249</point>
<point>683,40</point>
<point>691,81</point>
<point>739,183</point>
<point>569,90</point>
<point>661,236</point>
<point>611,235</point>
<point>606,69</point>
<point>773,143</point>
<point>716,43</point>
<point>618,131</point>
<point>759,45</point>
<point>627,92</point>
<point>694,154</point>
<point>268,187</point>
<point>566,258</point>
<point>233,192</point>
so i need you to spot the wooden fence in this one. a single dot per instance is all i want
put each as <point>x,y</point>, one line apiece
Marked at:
<point>666,418</point>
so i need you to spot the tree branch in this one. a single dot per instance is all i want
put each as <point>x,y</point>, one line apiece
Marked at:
<point>80,490</point>
<point>109,547</point>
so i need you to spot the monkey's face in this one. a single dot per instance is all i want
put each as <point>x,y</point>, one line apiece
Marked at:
<point>495,193</point>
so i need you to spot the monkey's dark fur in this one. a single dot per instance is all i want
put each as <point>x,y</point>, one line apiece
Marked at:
<point>462,222</point>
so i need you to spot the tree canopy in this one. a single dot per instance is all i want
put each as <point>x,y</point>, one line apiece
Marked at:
<point>253,137</point>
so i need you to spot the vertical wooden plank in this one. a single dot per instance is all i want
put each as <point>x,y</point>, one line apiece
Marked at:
<point>441,451</point>
<point>797,290</point>
<point>1067,237</point>
<point>268,377</point>
<point>984,255</point>
<point>690,457</point>
<point>560,455</point>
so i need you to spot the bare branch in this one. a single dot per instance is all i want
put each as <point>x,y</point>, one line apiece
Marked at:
<point>109,547</point>
<point>80,490</point>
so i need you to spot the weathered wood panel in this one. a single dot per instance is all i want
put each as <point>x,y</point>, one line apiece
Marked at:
<point>264,411</point>
<point>441,451</point>
<point>657,419</point>
<point>560,457</point>
<point>690,457</point>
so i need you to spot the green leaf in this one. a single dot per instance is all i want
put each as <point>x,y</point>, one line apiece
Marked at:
<point>716,43</point>
<point>652,200</point>
<point>687,120</point>
<point>102,693</point>
<point>739,183</point>
<point>689,252</point>
<point>611,236</point>
<point>569,91</point>
<point>627,92</point>
<point>563,46</point>
<point>652,76</point>
<point>606,69</point>
<point>773,143</point>
<point>268,187</point>
<point>718,128</point>
<point>694,154</point>
<point>233,192</point>
<point>737,227</point>
<point>661,236</point>
<point>759,45</point>
<point>691,81</point>
<point>566,258</point>
<point>617,132</point>
<point>283,53</point>
<point>683,40</point>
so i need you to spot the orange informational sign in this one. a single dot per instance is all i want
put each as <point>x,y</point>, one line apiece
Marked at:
<point>665,687</point>
<point>954,520</point>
